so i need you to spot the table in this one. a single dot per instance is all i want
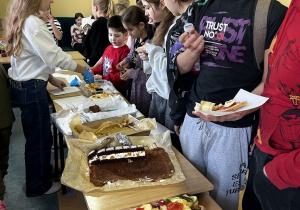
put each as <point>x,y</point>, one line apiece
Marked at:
<point>81,62</point>
<point>75,55</point>
<point>5,60</point>
<point>56,133</point>
<point>122,199</point>
<point>195,182</point>
<point>205,200</point>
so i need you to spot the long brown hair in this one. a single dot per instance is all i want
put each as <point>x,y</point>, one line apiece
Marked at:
<point>162,29</point>
<point>135,15</point>
<point>18,12</point>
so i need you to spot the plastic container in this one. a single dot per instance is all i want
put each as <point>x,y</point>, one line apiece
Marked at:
<point>3,47</point>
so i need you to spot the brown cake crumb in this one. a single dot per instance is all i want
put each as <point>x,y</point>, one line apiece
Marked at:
<point>94,108</point>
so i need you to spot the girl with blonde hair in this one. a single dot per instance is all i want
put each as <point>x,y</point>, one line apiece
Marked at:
<point>96,39</point>
<point>34,56</point>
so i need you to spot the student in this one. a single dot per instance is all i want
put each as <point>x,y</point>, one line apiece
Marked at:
<point>217,146</point>
<point>274,169</point>
<point>77,33</point>
<point>135,22</point>
<point>113,54</point>
<point>52,24</point>
<point>34,56</point>
<point>96,39</point>
<point>120,9</point>
<point>156,62</point>
<point>8,118</point>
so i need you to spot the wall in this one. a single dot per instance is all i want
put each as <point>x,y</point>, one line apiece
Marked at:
<point>67,8</point>
<point>285,2</point>
<point>60,8</point>
<point>3,6</point>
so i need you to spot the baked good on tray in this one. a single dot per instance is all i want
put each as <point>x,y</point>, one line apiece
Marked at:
<point>94,108</point>
<point>99,96</point>
<point>136,163</point>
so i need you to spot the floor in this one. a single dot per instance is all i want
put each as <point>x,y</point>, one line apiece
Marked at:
<point>15,197</point>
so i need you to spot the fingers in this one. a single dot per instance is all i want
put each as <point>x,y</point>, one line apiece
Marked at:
<point>140,50</point>
<point>196,46</point>
<point>193,41</point>
<point>230,117</point>
<point>177,129</point>
<point>62,85</point>
<point>122,65</point>
<point>119,67</point>
<point>144,56</point>
<point>97,76</point>
<point>183,37</point>
<point>124,77</point>
<point>91,71</point>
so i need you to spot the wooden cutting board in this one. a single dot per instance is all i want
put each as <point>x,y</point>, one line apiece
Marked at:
<point>123,199</point>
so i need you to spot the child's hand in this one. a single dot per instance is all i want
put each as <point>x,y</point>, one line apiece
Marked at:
<point>58,83</point>
<point>50,19</point>
<point>193,41</point>
<point>86,31</point>
<point>122,65</point>
<point>91,69</point>
<point>125,75</point>
<point>143,52</point>
<point>97,76</point>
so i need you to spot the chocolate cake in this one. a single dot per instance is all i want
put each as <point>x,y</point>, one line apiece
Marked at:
<point>129,163</point>
<point>94,108</point>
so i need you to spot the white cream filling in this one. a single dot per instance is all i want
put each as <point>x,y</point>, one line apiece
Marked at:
<point>122,155</point>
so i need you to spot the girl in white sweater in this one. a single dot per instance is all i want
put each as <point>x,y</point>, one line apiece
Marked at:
<point>34,56</point>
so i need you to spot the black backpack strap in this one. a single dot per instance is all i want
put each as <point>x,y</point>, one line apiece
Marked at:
<point>260,30</point>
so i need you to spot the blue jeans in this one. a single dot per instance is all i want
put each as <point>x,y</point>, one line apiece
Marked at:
<point>31,97</point>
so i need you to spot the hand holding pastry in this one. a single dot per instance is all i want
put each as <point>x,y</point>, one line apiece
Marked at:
<point>122,65</point>
<point>125,75</point>
<point>97,77</point>
<point>143,51</point>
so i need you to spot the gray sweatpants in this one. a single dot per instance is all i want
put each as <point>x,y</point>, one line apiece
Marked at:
<point>220,154</point>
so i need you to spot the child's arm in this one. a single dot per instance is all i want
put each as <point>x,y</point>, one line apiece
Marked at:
<point>99,63</point>
<point>56,82</point>
<point>114,78</point>
<point>56,31</point>
<point>98,70</point>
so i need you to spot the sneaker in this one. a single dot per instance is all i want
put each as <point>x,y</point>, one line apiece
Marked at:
<point>56,186</point>
<point>2,205</point>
